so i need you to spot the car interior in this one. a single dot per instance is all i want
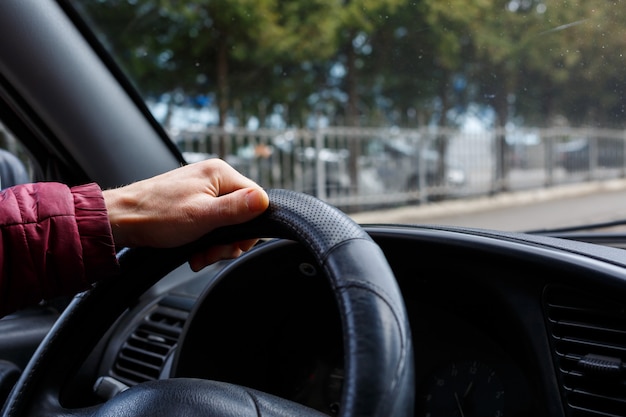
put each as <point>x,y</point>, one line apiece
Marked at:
<point>322,316</point>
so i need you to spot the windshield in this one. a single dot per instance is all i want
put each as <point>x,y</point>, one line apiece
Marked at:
<point>387,104</point>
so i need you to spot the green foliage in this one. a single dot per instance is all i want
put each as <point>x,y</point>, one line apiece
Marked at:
<point>530,60</point>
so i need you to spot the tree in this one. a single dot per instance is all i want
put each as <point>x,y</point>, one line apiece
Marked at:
<point>359,20</point>
<point>203,44</point>
<point>428,47</point>
<point>359,59</point>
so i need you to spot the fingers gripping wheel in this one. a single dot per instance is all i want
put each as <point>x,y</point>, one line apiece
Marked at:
<point>377,340</point>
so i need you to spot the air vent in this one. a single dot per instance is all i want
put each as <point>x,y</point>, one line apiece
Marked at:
<point>144,354</point>
<point>589,343</point>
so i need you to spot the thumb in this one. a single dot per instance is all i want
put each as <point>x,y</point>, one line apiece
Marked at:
<point>240,206</point>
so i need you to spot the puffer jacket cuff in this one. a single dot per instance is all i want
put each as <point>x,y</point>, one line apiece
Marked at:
<point>95,232</point>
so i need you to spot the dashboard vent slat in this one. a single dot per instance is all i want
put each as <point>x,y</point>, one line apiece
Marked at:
<point>588,338</point>
<point>145,352</point>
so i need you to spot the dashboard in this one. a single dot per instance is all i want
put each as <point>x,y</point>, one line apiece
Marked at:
<point>489,317</point>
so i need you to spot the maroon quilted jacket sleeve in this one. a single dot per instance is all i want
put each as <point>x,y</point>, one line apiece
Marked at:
<point>54,240</point>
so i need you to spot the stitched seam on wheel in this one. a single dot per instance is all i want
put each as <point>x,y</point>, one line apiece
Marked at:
<point>326,254</point>
<point>257,407</point>
<point>374,289</point>
<point>381,294</point>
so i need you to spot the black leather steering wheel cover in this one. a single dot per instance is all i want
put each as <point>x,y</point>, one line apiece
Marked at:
<point>177,397</point>
<point>379,377</point>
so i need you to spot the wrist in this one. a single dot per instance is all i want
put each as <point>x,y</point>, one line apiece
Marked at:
<point>118,205</point>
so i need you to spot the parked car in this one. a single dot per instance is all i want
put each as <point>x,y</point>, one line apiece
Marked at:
<point>397,164</point>
<point>575,155</point>
<point>322,317</point>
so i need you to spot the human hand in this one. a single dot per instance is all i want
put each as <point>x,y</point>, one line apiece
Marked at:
<point>182,205</point>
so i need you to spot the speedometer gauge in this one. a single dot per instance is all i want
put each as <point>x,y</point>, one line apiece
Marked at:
<point>466,389</point>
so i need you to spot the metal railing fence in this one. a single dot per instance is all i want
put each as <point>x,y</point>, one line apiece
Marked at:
<point>362,168</point>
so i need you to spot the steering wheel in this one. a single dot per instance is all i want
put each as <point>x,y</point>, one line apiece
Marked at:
<point>378,354</point>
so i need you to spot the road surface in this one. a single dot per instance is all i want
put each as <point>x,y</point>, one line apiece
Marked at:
<point>556,207</point>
